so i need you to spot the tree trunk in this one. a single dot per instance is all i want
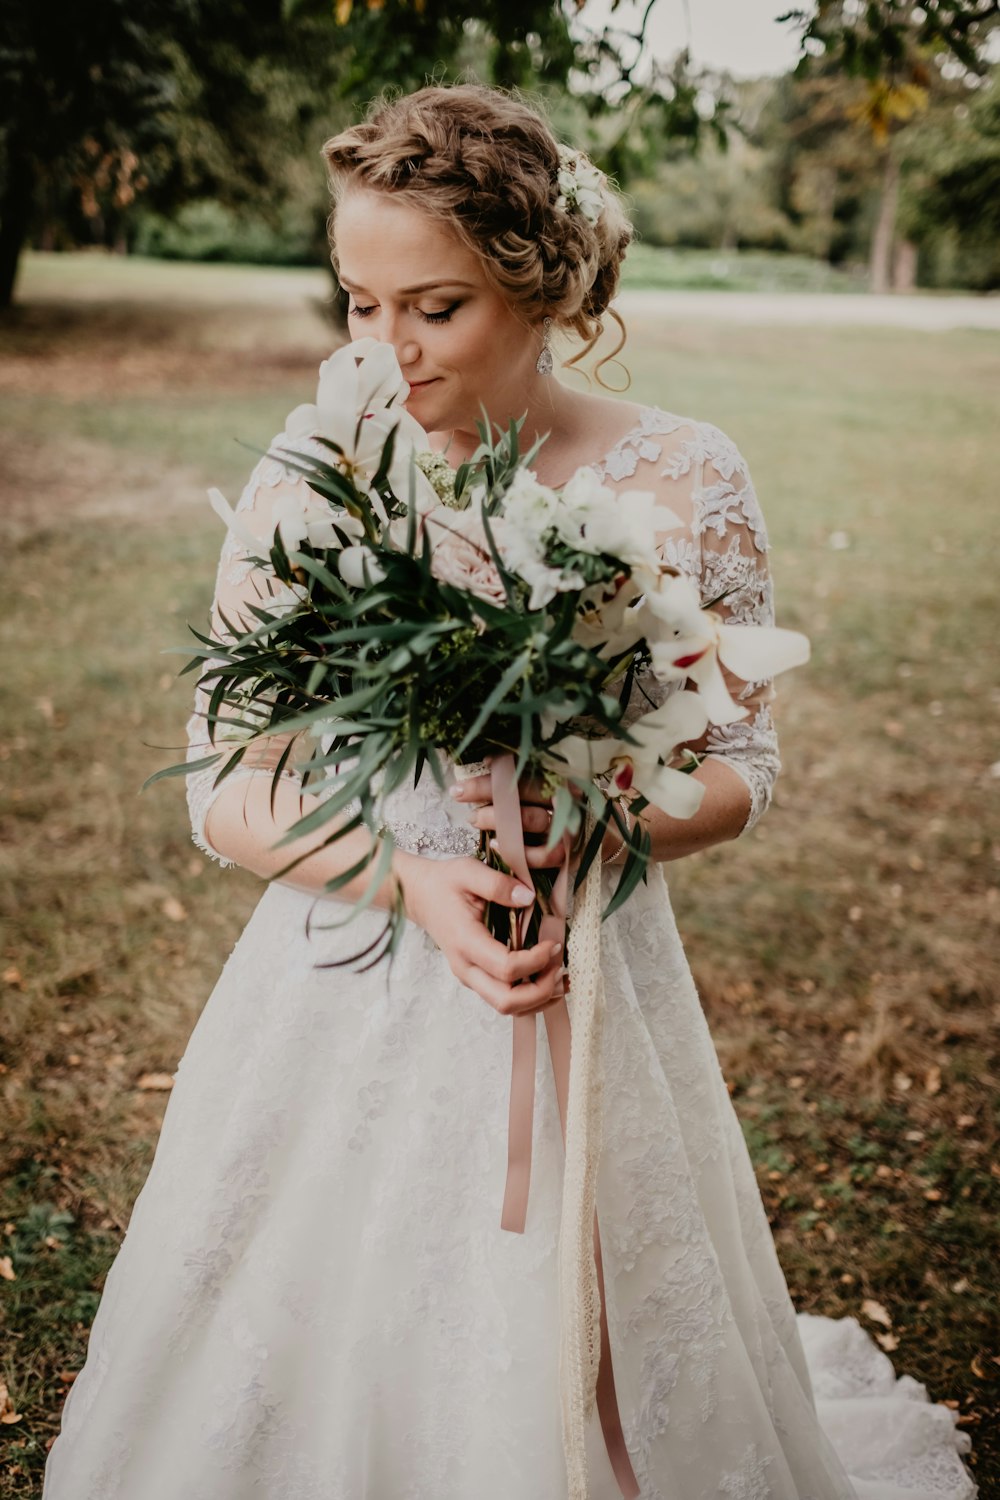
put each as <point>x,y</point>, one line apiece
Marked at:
<point>904,267</point>
<point>885,226</point>
<point>15,218</point>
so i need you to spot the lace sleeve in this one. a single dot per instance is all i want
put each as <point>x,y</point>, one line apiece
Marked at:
<point>699,474</point>
<point>238,584</point>
<point>726,548</point>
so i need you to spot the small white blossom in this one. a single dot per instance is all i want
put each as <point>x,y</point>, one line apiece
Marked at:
<point>580,185</point>
<point>439,474</point>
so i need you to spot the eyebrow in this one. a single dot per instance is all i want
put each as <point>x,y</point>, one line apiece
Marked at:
<point>410,291</point>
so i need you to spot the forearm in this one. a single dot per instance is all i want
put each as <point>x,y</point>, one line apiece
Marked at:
<point>720,818</point>
<point>242,827</point>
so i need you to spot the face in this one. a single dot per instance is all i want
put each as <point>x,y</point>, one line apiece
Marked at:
<point>413,284</point>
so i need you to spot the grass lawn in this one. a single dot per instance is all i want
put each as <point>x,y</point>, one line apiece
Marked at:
<point>846,950</point>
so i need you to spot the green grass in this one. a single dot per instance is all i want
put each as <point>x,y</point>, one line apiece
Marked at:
<point>846,950</point>
<point>652,267</point>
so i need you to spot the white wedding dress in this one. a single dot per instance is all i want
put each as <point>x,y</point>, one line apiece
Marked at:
<point>315,1299</point>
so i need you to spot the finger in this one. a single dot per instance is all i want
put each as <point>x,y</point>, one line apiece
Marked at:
<point>538,858</point>
<point>534,819</point>
<point>494,885</point>
<point>515,1000</point>
<point>507,965</point>
<point>475,789</point>
<point>531,790</point>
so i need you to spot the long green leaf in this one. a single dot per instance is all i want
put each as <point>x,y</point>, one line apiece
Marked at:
<point>513,673</point>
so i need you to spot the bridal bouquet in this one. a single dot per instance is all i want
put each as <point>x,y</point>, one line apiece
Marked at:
<point>413,612</point>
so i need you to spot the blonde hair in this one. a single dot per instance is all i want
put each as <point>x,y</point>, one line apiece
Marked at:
<point>486,164</point>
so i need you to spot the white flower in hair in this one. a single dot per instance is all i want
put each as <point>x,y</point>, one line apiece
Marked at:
<point>580,185</point>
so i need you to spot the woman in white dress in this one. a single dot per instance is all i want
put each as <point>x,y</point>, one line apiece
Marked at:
<point>315,1299</point>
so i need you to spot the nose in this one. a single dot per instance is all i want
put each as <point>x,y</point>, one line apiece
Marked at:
<point>392,331</point>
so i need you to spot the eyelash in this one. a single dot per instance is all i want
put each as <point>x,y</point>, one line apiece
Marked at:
<point>439,317</point>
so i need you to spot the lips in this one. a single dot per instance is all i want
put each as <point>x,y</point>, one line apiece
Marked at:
<point>420,385</point>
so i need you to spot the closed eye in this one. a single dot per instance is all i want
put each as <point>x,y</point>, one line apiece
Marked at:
<point>435,317</point>
<point>440,317</point>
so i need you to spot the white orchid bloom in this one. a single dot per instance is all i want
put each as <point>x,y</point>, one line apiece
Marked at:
<point>638,766</point>
<point>359,378</point>
<point>358,403</point>
<point>686,641</point>
<point>301,516</point>
<point>380,380</point>
<point>608,623</point>
<point>248,539</point>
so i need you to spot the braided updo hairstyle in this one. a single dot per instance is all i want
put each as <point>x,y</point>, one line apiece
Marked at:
<point>487,164</point>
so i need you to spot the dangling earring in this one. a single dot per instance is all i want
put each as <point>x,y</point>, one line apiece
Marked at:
<point>544,364</point>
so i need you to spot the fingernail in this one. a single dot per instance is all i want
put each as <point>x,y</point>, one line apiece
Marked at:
<point>556,949</point>
<point>458,792</point>
<point>522,896</point>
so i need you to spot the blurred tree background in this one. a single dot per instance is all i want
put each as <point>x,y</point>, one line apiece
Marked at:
<point>191,129</point>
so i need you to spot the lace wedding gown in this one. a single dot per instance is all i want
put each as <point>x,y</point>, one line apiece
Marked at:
<point>315,1299</point>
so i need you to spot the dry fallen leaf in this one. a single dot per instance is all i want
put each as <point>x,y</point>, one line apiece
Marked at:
<point>887,1341</point>
<point>7,1413</point>
<point>7,1268</point>
<point>960,1286</point>
<point>155,1081</point>
<point>876,1312</point>
<point>12,976</point>
<point>173,910</point>
<point>932,1080</point>
<point>976,1367</point>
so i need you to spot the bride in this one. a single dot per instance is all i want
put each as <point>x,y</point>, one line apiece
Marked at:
<point>315,1299</point>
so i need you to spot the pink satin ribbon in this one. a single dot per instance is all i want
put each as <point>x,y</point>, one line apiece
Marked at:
<point>510,839</point>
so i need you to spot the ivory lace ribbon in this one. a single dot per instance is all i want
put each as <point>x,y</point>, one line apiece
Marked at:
<point>585,1369</point>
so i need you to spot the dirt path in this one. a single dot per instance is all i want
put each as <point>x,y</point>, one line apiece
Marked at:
<point>93,279</point>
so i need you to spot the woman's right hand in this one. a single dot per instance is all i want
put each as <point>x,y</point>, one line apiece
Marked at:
<point>448,899</point>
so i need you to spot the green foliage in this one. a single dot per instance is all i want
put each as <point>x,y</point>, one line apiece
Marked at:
<point>209,231</point>
<point>951,196</point>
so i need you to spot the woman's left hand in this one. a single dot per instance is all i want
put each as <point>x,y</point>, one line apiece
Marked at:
<point>536,817</point>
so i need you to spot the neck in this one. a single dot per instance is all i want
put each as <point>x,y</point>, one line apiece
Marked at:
<point>549,411</point>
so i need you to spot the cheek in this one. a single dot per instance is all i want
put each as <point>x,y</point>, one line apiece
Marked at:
<point>484,348</point>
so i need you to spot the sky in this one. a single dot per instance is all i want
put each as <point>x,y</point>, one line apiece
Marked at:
<point>741,36</point>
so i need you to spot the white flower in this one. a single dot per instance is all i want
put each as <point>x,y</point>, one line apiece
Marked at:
<point>658,735</point>
<point>625,526</point>
<point>358,403</point>
<point>607,622</point>
<point>359,567</point>
<point>686,641</point>
<point>531,508</point>
<point>580,185</point>
<point>298,516</point>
